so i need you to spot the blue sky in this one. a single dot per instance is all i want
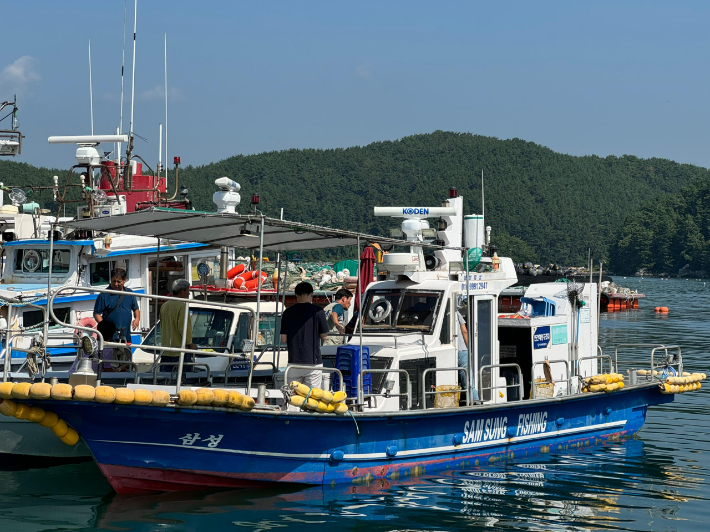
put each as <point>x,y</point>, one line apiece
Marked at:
<point>579,77</point>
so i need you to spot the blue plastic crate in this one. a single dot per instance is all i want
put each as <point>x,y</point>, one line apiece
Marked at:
<point>347,360</point>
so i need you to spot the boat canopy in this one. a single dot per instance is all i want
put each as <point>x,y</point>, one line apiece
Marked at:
<point>228,229</point>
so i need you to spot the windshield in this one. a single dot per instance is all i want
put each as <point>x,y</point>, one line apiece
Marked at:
<point>404,310</point>
<point>210,329</point>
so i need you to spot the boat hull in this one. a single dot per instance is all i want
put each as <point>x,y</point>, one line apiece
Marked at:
<point>143,448</point>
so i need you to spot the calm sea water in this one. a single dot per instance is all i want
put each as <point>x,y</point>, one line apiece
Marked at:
<point>657,481</point>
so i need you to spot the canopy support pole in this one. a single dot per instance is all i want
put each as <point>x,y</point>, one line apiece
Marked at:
<point>258,306</point>
<point>358,293</point>
<point>472,361</point>
<point>155,321</point>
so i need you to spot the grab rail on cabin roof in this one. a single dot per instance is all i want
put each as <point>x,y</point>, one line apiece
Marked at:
<point>361,379</point>
<point>568,380</point>
<point>506,386</point>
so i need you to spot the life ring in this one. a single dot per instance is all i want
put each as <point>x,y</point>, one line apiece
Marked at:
<point>379,310</point>
<point>86,322</point>
<point>239,268</point>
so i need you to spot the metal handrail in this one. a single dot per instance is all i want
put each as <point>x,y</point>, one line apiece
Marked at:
<point>568,380</point>
<point>491,366</point>
<point>666,348</point>
<point>187,302</point>
<point>383,335</point>
<point>435,392</point>
<point>313,368</point>
<point>598,357</point>
<point>616,351</point>
<point>361,379</point>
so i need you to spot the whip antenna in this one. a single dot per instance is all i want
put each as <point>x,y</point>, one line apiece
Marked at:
<point>166,112</point>
<point>123,62</point>
<point>91,92</point>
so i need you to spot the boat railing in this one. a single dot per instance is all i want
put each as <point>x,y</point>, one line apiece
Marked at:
<point>11,334</point>
<point>437,392</point>
<point>669,362</point>
<point>599,369</point>
<point>519,385</point>
<point>568,380</point>
<point>181,350</point>
<point>313,368</point>
<point>654,348</point>
<point>386,394</point>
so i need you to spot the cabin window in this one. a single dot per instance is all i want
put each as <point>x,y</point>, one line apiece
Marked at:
<point>401,310</point>
<point>100,272</point>
<point>35,317</point>
<point>37,261</point>
<point>210,329</point>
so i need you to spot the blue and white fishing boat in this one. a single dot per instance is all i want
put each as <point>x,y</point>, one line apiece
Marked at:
<point>539,374</point>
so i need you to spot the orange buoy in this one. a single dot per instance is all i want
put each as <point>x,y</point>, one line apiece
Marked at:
<point>663,309</point>
<point>657,309</point>
<point>239,268</point>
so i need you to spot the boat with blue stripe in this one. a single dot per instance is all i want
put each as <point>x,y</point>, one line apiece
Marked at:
<point>410,401</point>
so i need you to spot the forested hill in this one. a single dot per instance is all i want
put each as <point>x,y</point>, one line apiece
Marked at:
<point>668,235</point>
<point>543,206</point>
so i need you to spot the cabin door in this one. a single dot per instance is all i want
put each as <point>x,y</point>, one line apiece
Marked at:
<point>483,341</point>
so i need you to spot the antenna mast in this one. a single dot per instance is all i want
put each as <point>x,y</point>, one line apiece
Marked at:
<point>91,92</point>
<point>483,201</point>
<point>166,112</point>
<point>123,62</point>
<point>128,182</point>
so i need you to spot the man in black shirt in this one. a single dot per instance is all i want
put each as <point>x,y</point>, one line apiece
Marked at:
<point>303,326</point>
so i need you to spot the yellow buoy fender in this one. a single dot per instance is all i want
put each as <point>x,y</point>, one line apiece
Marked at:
<point>297,400</point>
<point>7,407</point>
<point>597,387</point>
<point>61,392</point>
<point>327,397</point>
<point>71,437</point>
<point>621,384</point>
<point>187,397</point>
<point>6,390</point>
<point>160,398</point>
<point>84,392</point>
<point>21,390</point>
<point>235,399</point>
<point>247,403</point>
<point>60,429</point>
<point>220,397</point>
<point>36,414</point>
<point>104,394</point>
<point>317,394</point>
<point>322,407</point>
<point>205,396</point>
<point>124,396</point>
<point>22,411</point>
<point>142,397</point>
<point>50,419</point>
<point>299,388</point>
<point>339,397</point>
<point>331,408</point>
<point>341,408</point>
<point>41,390</point>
